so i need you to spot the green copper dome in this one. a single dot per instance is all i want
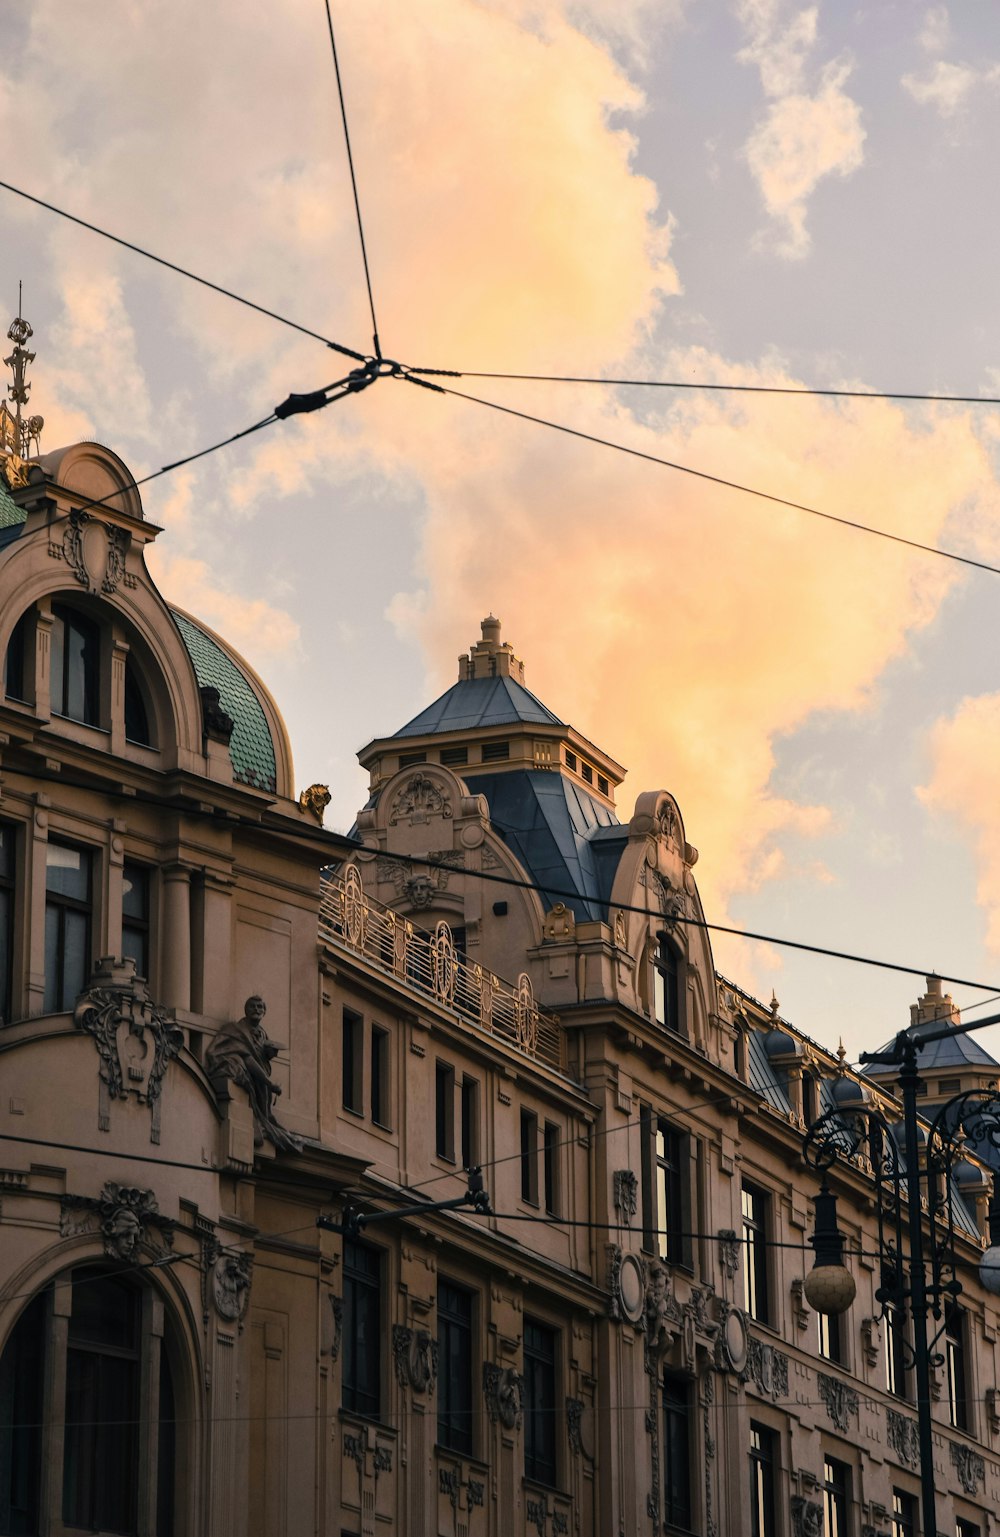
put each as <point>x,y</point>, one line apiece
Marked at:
<point>250,747</point>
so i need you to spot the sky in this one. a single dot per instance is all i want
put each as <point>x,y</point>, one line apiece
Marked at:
<point>730,191</point>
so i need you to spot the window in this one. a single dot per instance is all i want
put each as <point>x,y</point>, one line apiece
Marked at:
<point>836,1495</point>
<point>666,987</point>
<point>665,1189</point>
<point>115,1419</point>
<point>894,1349</point>
<point>16,681</point>
<point>809,1105</point>
<point>444,1111</point>
<point>362,1380</point>
<point>954,1341</point>
<point>470,1123</point>
<point>550,1152</point>
<point>67,925</point>
<point>493,752</point>
<point>602,784</point>
<point>353,1061</point>
<point>75,666</point>
<point>454,755</point>
<point>529,1157</point>
<point>904,1514</point>
<point>539,1402</point>
<point>762,1480</point>
<point>135,916</point>
<point>137,728</point>
<point>830,1336</point>
<point>676,1451</point>
<point>380,1076</point>
<point>587,772</point>
<point>7,888</point>
<point>755,1289</point>
<point>455,1305</point>
<point>570,760</point>
<point>965,1528</point>
<point>408,759</point>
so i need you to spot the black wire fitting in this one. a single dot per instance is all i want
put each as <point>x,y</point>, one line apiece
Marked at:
<point>353,1221</point>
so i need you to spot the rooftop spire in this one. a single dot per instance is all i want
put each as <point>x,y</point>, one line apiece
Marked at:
<point>490,657</point>
<point>18,433</point>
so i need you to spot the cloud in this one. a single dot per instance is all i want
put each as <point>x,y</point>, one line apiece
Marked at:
<point>962,789</point>
<point>259,631</point>
<point>947,88</point>
<point>935,30</point>
<point>804,136</point>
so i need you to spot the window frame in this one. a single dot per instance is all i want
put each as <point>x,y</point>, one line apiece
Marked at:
<point>541,1401</point>
<point>352,1061</point>
<point>456,1335</point>
<point>677,1420</point>
<point>836,1497</point>
<point>904,1513</point>
<point>62,665</point>
<point>444,1110</point>
<point>10,853</point>
<point>140,925</point>
<point>957,1365</point>
<point>755,1214</point>
<point>529,1156</point>
<point>380,1077</point>
<point>362,1392</point>
<point>59,904</point>
<point>470,1121</point>
<point>668,992</point>
<point>763,1457</point>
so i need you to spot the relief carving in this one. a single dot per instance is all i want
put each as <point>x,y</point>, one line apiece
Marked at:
<point>729,1251</point>
<point>134,1038</point>
<point>626,1188</point>
<point>128,1218</point>
<point>230,1284</point>
<point>242,1053</point>
<point>503,1389</point>
<point>415,1354</point>
<point>664,1316</point>
<point>418,801</point>
<point>969,1466</point>
<point>807,1517</point>
<point>840,1400</point>
<point>902,1438</point>
<point>95,552</point>
<point>767,1369</point>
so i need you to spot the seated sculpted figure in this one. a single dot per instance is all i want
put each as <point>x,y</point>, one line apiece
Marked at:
<point>242,1053</point>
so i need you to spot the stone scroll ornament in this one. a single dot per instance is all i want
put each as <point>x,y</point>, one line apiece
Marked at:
<point>135,1040</point>
<point>242,1053</point>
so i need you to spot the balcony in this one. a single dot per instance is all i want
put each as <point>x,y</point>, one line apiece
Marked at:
<point>429,964</point>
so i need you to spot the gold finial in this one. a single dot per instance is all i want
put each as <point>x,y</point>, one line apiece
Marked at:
<point>774,1005</point>
<point>17,433</point>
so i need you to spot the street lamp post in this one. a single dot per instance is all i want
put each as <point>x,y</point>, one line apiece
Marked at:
<point>911,1192</point>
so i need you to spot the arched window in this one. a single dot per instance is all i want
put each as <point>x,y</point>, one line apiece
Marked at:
<point>76,661</point>
<point>101,1452</point>
<point>667,994</point>
<point>137,728</point>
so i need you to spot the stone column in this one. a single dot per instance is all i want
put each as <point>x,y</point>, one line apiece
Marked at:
<point>175,969</point>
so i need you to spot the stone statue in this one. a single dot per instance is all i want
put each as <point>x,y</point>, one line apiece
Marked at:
<point>315,800</point>
<point>242,1053</point>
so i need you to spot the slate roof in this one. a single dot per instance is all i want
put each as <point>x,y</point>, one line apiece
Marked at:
<point>954,1051</point>
<point>250,748</point>
<point>566,840</point>
<point>475,703</point>
<point>11,515</point>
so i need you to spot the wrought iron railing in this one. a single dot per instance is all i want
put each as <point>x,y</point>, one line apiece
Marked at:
<point>430,963</point>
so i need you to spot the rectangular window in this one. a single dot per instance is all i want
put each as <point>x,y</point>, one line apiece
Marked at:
<point>67,925</point>
<point>444,1111</point>
<point>958,1411</point>
<point>408,759</point>
<point>894,1350</point>
<point>676,1451</point>
<point>380,1076</point>
<point>7,887</point>
<point>529,1157</point>
<point>353,1065</point>
<point>135,916</point>
<point>666,988</point>
<point>829,1333</point>
<point>493,752</point>
<point>755,1289</point>
<point>965,1528</point>
<point>763,1460</point>
<point>551,1140</point>
<point>362,1333</point>
<point>904,1514</point>
<point>470,1123</point>
<point>570,760</point>
<point>602,784</point>
<point>454,1431</point>
<point>669,1166</point>
<point>587,772</point>
<point>836,1497</point>
<point>540,1344</point>
<point>454,755</point>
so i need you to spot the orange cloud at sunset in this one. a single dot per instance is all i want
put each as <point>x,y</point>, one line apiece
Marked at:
<point>964,751</point>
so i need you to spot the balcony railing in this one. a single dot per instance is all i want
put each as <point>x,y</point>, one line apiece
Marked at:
<point>430,964</point>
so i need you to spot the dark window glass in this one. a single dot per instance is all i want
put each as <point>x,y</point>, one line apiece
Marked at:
<point>904,1514</point>
<point>529,1157</point>
<point>808,1098</point>
<point>22,1377</point>
<point>7,890</point>
<point>470,1123</point>
<point>894,1351</point>
<point>19,646</point>
<point>135,916</point>
<point>494,751</point>
<point>965,1528</point>
<point>67,925</point>
<point>836,1493</point>
<point>362,1379</point>
<point>602,784</point>
<point>755,1291</point>
<point>75,671</point>
<point>444,1110</point>
<point>551,1143</point>
<point>136,715</point>
<point>102,1406</point>
<point>539,1402</point>
<point>670,1157</point>
<point>353,1061</point>
<point>588,773</point>
<point>676,1451</point>
<point>454,1368</point>
<point>955,1367</point>
<point>380,1076</point>
<point>571,760</point>
<point>763,1461</point>
<point>829,1336</point>
<point>666,988</point>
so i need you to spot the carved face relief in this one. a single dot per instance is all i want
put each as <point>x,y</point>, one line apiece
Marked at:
<point>231,1286</point>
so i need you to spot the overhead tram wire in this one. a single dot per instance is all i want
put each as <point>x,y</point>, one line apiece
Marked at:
<point>354,182</point>
<point>719,388</point>
<point>162,261</point>
<point>717,480</point>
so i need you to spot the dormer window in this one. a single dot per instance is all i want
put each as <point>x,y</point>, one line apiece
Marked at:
<point>76,660</point>
<point>666,987</point>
